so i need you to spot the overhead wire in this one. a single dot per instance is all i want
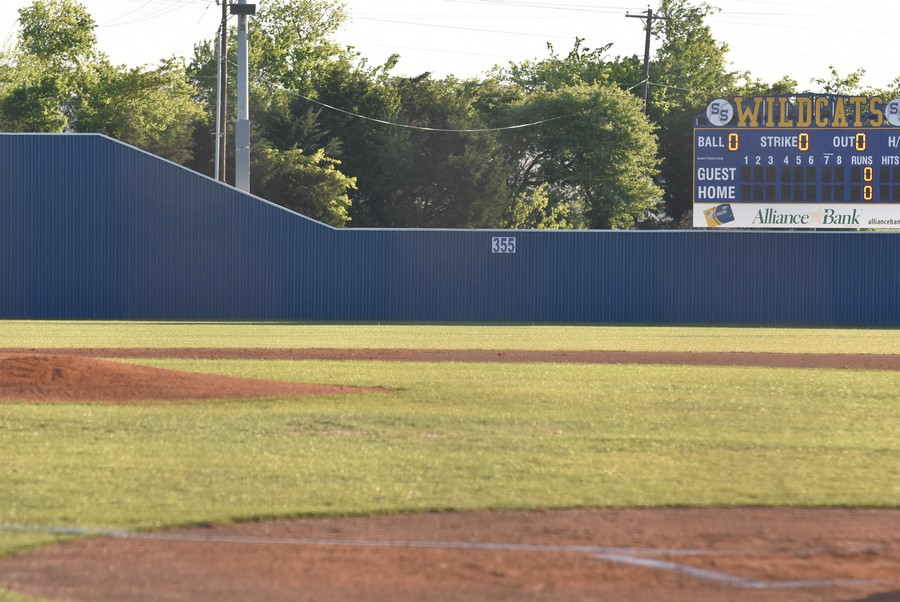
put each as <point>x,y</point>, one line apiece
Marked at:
<point>131,12</point>
<point>543,5</point>
<point>170,6</point>
<point>197,24</point>
<point>419,23</point>
<point>458,27</point>
<point>144,18</point>
<point>415,127</point>
<point>464,52</point>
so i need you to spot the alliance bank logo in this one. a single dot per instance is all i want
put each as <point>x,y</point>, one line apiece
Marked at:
<point>719,215</point>
<point>825,217</point>
<point>770,216</point>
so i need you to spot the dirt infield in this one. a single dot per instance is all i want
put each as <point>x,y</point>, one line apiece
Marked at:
<point>38,377</point>
<point>690,554</point>
<point>770,360</point>
<point>677,555</point>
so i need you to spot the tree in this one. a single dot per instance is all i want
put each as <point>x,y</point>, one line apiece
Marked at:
<point>308,184</point>
<point>57,81</point>
<point>420,177</point>
<point>292,42</point>
<point>294,160</point>
<point>45,77</point>
<point>840,85</point>
<point>689,67</point>
<point>292,52</point>
<point>596,157</point>
<point>581,66</point>
<point>153,109</point>
<point>688,70</point>
<point>533,209</point>
<point>889,92</point>
<point>592,165</point>
<point>369,151</point>
<point>33,103</point>
<point>58,32</point>
<point>755,87</point>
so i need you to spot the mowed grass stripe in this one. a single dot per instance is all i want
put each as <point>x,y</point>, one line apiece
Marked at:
<point>456,436</point>
<point>53,334</point>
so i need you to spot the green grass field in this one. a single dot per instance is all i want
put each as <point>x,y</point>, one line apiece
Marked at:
<point>453,436</point>
<point>542,337</point>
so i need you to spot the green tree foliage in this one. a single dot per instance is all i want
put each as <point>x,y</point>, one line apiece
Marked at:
<point>369,151</point>
<point>596,158</point>
<point>532,209</point>
<point>292,42</point>
<point>422,178</point>
<point>294,160</point>
<point>756,87</point>
<point>292,52</point>
<point>43,80</point>
<point>56,80</point>
<point>591,166</point>
<point>32,102</point>
<point>581,66</point>
<point>152,109</point>
<point>423,175</point>
<point>307,184</point>
<point>689,67</point>
<point>839,84</point>
<point>408,177</point>
<point>889,92</point>
<point>688,70</point>
<point>58,32</point>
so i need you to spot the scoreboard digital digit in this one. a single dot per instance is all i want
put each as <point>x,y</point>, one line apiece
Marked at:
<point>798,162</point>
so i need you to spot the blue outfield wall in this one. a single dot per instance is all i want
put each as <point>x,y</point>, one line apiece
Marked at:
<point>94,229</point>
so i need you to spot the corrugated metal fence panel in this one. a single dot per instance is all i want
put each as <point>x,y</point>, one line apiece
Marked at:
<point>662,277</point>
<point>91,228</point>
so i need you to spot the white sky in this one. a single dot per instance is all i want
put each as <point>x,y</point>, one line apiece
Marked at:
<point>769,38</point>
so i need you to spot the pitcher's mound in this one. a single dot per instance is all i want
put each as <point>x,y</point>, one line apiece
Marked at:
<point>65,378</point>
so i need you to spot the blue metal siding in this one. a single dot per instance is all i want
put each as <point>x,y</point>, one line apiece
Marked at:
<point>661,277</point>
<point>91,228</point>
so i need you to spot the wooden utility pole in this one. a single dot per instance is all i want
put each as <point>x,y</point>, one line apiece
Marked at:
<point>649,16</point>
<point>221,113</point>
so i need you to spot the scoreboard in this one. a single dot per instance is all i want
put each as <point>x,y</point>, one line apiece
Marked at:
<point>789,162</point>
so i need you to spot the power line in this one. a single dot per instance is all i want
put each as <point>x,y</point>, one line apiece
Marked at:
<point>164,7</point>
<point>542,5</point>
<point>144,18</point>
<point>457,16</point>
<point>131,12</point>
<point>391,47</point>
<point>414,127</point>
<point>459,27</point>
<point>196,26</point>
<point>667,87</point>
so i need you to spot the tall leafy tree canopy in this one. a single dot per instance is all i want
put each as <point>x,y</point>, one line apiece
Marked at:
<point>42,82</point>
<point>294,161</point>
<point>56,80</point>
<point>58,32</point>
<point>555,142</point>
<point>593,163</point>
<point>688,70</point>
